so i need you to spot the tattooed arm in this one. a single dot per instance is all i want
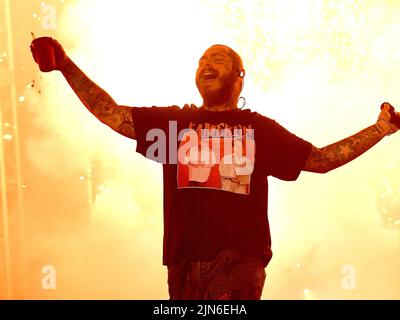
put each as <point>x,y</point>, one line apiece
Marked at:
<point>98,102</point>
<point>322,160</point>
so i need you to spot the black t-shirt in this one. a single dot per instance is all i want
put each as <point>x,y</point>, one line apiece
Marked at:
<point>216,194</point>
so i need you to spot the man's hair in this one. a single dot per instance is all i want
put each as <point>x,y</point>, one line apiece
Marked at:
<point>237,60</point>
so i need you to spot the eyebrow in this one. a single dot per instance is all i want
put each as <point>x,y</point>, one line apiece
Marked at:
<point>215,54</point>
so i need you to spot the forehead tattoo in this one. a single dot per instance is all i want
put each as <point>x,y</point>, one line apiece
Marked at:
<point>222,54</point>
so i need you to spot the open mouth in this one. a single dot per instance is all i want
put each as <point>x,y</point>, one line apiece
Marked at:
<point>209,75</point>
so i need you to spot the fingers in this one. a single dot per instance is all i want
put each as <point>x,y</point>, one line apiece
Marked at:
<point>384,118</point>
<point>386,106</point>
<point>59,53</point>
<point>57,43</point>
<point>385,114</point>
<point>396,123</point>
<point>57,46</point>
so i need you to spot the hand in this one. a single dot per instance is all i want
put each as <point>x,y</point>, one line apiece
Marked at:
<point>48,54</point>
<point>384,119</point>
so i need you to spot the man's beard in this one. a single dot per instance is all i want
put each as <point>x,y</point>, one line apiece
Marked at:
<point>223,94</point>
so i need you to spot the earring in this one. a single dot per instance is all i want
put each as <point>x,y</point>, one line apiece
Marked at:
<point>244,102</point>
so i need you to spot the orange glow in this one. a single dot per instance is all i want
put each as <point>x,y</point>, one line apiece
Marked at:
<point>93,207</point>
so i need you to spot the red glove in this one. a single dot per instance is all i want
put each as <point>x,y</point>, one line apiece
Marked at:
<point>48,54</point>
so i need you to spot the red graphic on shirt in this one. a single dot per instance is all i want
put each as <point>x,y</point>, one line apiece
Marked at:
<point>219,157</point>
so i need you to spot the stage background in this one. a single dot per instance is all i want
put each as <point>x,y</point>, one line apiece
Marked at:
<point>79,203</point>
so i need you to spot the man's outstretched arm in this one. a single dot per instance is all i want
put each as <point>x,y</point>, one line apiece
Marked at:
<point>98,101</point>
<point>94,98</point>
<point>322,160</point>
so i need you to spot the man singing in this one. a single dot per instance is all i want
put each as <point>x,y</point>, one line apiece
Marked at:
<point>216,233</point>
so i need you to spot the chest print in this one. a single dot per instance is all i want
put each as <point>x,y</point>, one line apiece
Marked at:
<point>216,156</point>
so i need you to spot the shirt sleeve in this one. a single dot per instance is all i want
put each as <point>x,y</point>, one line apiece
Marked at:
<point>152,126</point>
<point>285,153</point>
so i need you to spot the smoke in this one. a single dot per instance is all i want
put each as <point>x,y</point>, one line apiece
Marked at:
<point>324,223</point>
<point>95,206</point>
<point>324,78</point>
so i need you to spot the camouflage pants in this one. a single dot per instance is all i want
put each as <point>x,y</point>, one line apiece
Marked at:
<point>229,276</point>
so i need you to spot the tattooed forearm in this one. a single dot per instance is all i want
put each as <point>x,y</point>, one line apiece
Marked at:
<point>99,102</point>
<point>337,154</point>
<point>122,122</point>
<point>95,99</point>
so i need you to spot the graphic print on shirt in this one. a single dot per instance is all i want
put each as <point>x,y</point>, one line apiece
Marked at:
<point>216,156</point>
